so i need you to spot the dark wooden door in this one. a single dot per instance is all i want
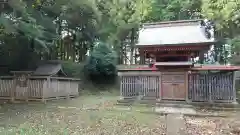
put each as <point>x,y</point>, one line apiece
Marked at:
<point>174,86</point>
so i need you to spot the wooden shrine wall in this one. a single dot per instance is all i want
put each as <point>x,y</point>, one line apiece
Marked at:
<point>198,87</point>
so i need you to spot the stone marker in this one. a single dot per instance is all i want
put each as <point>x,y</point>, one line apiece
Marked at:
<point>175,124</point>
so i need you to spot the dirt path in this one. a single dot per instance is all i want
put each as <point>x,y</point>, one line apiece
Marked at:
<point>175,124</point>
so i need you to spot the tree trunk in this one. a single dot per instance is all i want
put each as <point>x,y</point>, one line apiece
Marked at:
<point>201,57</point>
<point>132,45</point>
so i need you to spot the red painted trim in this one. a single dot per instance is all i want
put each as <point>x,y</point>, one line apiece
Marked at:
<point>169,55</point>
<point>178,45</point>
<point>214,67</point>
<point>163,48</point>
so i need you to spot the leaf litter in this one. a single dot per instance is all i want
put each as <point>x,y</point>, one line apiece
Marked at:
<point>78,118</point>
<point>91,116</point>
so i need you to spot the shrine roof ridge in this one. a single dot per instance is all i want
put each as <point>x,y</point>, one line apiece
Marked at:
<point>172,23</point>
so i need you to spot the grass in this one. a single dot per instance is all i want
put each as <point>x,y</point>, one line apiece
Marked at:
<point>86,115</point>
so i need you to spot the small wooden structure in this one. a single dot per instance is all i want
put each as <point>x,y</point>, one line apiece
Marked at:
<point>169,49</point>
<point>47,82</point>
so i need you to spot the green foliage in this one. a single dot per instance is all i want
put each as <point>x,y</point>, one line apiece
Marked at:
<point>24,20</point>
<point>15,56</point>
<point>120,17</point>
<point>102,60</point>
<point>101,63</point>
<point>67,29</point>
<point>225,13</point>
<point>73,69</point>
<point>235,44</point>
<point>171,10</point>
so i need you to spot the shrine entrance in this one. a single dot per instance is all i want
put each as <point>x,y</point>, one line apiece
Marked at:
<point>174,85</point>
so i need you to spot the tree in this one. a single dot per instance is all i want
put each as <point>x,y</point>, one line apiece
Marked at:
<point>68,29</point>
<point>39,25</point>
<point>120,23</point>
<point>225,14</point>
<point>171,10</point>
<point>235,42</point>
<point>24,20</point>
<point>101,64</point>
<point>43,23</point>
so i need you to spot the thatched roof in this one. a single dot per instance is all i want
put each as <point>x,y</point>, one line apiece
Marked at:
<point>49,68</point>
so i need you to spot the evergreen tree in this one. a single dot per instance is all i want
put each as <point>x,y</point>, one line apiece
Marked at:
<point>101,64</point>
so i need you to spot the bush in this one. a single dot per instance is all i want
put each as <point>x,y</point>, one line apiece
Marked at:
<point>73,69</point>
<point>100,66</point>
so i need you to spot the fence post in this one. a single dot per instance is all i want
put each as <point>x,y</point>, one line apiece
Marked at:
<point>13,90</point>
<point>68,90</point>
<point>121,95</point>
<point>27,90</point>
<point>186,86</point>
<point>159,88</point>
<point>234,87</point>
<point>209,80</point>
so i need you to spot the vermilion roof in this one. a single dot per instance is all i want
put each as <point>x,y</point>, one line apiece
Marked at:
<point>216,67</point>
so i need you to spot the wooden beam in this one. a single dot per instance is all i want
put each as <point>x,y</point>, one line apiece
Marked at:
<point>175,48</point>
<point>173,53</point>
<point>169,55</point>
<point>178,45</point>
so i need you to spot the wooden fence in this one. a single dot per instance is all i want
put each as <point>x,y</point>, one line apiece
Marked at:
<point>202,87</point>
<point>144,85</point>
<point>237,82</point>
<point>140,86</point>
<point>38,88</point>
<point>211,87</point>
